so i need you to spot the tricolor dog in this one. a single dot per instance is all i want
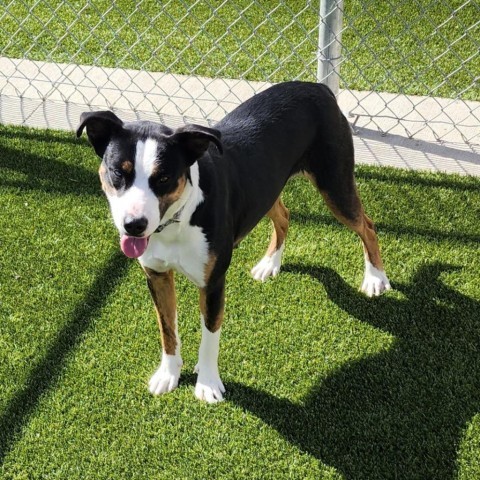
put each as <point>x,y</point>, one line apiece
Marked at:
<point>183,199</point>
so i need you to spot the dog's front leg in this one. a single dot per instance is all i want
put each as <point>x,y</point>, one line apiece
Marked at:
<point>209,386</point>
<point>162,288</point>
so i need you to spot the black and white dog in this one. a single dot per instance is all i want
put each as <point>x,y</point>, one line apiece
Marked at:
<point>183,199</point>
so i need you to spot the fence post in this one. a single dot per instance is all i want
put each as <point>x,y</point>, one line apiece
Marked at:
<point>329,43</point>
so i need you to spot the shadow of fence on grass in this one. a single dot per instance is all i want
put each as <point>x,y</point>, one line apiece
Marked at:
<point>426,232</point>
<point>25,133</point>
<point>417,178</point>
<point>47,174</point>
<point>47,372</point>
<point>398,414</point>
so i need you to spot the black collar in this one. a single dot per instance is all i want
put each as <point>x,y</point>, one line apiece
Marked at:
<point>174,219</point>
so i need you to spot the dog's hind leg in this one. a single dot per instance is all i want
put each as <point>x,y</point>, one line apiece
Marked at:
<point>345,204</point>
<point>162,288</point>
<point>269,265</point>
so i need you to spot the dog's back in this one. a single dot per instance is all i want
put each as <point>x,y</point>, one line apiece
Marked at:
<point>290,128</point>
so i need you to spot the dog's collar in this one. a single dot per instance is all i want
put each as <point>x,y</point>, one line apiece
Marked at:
<point>174,219</point>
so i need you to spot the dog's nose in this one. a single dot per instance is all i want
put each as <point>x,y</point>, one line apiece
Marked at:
<point>135,226</point>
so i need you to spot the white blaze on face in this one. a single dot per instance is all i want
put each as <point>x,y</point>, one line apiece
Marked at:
<point>138,200</point>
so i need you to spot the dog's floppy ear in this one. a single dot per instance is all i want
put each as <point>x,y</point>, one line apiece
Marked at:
<point>195,139</point>
<point>100,128</point>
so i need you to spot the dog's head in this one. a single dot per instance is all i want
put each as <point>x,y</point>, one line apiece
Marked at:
<point>145,170</point>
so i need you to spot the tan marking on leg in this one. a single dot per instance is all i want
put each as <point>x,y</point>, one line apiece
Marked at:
<point>362,225</point>
<point>162,288</point>
<point>370,243</point>
<point>280,216</point>
<point>270,264</point>
<point>209,266</point>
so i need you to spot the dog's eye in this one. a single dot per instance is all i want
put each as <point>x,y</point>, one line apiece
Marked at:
<point>164,179</point>
<point>117,173</point>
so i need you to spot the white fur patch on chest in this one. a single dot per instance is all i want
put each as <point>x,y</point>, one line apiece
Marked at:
<point>184,251</point>
<point>181,246</point>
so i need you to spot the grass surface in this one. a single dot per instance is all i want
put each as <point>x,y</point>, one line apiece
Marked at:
<point>417,47</point>
<point>322,383</point>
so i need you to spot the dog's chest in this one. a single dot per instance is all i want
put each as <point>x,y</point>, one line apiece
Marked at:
<point>180,248</point>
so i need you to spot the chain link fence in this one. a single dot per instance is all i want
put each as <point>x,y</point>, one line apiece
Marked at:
<point>409,68</point>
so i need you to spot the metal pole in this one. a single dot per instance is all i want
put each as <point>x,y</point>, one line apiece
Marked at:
<point>329,43</point>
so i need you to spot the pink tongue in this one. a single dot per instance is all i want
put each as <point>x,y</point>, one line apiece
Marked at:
<point>133,247</point>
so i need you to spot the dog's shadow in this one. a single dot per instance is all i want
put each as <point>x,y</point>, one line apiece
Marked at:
<point>398,414</point>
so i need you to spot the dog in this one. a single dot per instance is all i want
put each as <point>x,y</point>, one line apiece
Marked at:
<point>183,198</point>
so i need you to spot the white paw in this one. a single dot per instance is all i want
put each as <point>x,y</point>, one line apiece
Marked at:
<point>268,266</point>
<point>209,387</point>
<point>375,282</point>
<point>165,379</point>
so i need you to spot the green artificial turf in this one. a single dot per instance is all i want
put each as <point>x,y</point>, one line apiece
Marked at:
<point>414,47</point>
<point>322,382</point>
